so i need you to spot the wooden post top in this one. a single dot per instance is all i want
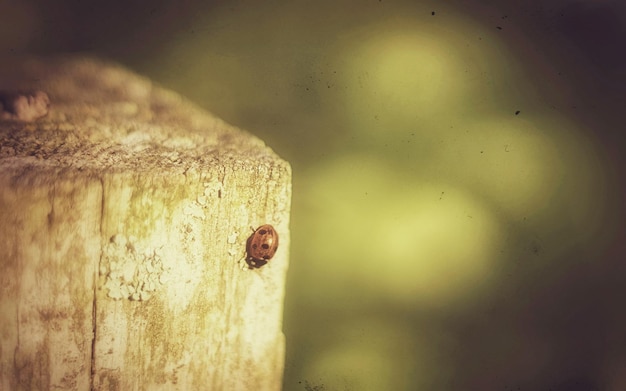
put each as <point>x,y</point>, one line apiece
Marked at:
<point>126,214</point>
<point>104,117</point>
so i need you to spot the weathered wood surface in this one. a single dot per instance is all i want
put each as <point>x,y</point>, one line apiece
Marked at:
<point>124,216</point>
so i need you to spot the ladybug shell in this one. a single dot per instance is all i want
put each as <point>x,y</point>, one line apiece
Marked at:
<point>261,246</point>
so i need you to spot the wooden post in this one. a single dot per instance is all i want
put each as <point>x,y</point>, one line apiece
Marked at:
<point>124,215</point>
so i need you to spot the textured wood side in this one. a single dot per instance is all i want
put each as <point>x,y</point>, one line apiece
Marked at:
<point>190,317</point>
<point>49,243</point>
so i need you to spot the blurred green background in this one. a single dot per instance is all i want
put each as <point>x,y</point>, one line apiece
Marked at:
<point>458,190</point>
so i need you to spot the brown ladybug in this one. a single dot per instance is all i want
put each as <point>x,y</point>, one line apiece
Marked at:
<point>261,246</point>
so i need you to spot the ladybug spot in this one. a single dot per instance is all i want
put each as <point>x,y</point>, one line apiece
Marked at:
<point>265,246</point>
<point>254,246</point>
<point>263,232</point>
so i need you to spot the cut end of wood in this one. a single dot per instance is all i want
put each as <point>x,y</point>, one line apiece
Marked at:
<point>126,212</point>
<point>103,116</point>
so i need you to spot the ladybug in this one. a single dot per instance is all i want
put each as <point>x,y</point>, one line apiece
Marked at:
<point>261,246</point>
